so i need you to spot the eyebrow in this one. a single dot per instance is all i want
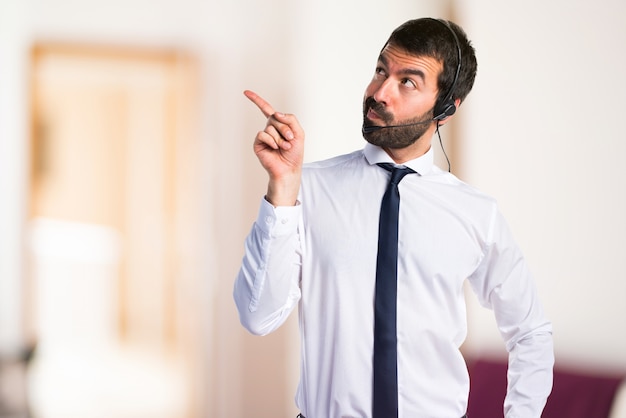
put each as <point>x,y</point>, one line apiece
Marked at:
<point>405,71</point>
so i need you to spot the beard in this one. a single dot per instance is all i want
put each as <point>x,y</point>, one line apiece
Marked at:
<point>396,135</point>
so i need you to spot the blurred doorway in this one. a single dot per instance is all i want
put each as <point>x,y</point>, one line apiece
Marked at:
<point>106,301</point>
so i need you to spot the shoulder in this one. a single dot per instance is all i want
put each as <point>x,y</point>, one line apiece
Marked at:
<point>344,174</point>
<point>352,159</point>
<point>347,167</point>
<point>458,194</point>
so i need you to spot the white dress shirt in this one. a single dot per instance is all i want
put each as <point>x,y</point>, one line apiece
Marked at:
<point>321,256</point>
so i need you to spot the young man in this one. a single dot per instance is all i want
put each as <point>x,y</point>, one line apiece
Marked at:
<point>380,285</point>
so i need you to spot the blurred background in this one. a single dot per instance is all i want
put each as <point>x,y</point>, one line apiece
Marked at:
<point>128,183</point>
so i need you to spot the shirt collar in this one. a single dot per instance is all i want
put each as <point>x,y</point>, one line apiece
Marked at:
<point>423,165</point>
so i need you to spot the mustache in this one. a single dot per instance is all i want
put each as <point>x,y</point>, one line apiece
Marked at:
<point>379,108</point>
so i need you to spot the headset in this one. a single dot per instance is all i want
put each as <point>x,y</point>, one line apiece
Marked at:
<point>445,106</point>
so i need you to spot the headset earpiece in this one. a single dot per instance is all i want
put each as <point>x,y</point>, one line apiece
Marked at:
<point>448,109</point>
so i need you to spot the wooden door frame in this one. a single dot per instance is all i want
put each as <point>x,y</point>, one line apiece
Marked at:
<point>182,143</point>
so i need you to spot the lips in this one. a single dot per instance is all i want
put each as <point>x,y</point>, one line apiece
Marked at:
<point>372,115</point>
<point>375,111</point>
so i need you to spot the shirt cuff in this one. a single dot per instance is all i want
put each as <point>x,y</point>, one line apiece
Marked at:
<point>280,220</point>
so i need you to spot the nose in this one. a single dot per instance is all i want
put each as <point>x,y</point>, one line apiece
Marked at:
<point>383,92</point>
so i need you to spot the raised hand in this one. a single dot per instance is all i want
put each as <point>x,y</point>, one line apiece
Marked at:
<point>280,150</point>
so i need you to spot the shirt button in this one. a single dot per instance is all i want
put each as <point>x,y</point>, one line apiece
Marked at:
<point>269,220</point>
<point>284,221</point>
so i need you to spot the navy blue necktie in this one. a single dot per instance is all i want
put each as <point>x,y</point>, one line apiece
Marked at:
<point>385,397</point>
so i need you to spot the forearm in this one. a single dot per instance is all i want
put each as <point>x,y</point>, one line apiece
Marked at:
<point>267,286</point>
<point>530,370</point>
<point>504,283</point>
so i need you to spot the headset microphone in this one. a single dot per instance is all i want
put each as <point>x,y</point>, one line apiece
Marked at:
<point>373,128</point>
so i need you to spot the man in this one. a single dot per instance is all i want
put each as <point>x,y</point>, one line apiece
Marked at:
<point>323,241</point>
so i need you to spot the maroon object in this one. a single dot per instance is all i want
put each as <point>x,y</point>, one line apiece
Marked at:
<point>575,394</point>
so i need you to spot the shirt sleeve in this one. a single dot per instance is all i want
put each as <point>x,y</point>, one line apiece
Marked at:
<point>504,284</point>
<point>267,287</point>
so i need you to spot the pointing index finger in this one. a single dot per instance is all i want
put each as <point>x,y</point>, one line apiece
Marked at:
<point>263,106</point>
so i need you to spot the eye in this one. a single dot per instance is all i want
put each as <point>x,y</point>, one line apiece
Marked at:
<point>407,82</point>
<point>380,72</point>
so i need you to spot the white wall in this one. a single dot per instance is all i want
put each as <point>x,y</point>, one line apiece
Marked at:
<point>13,122</point>
<point>543,135</point>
